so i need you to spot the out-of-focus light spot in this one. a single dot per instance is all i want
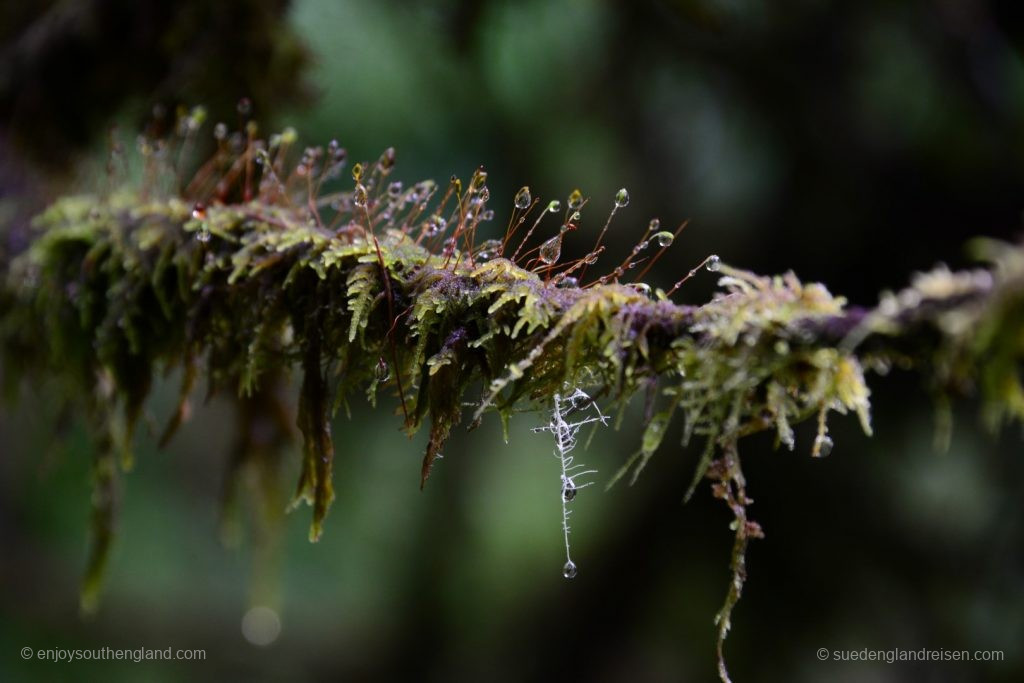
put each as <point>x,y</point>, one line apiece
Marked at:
<point>261,626</point>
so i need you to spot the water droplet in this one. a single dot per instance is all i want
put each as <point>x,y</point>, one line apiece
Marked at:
<point>359,197</point>
<point>575,199</point>
<point>487,215</point>
<point>642,288</point>
<point>386,161</point>
<point>621,198</point>
<point>714,263</point>
<point>568,281</point>
<point>435,224</point>
<point>479,178</point>
<point>823,445</point>
<point>395,189</point>
<point>591,258</point>
<point>484,194</point>
<point>569,570</point>
<point>203,235</point>
<point>357,172</point>
<point>568,490</point>
<point>382,372</point>
<point>488,250</point>
<point>554,206</point>
<point>551,250</point>
<point>664,238</point>
<point>653,225</point>
<point>523,198</point>
<point>220,131</point>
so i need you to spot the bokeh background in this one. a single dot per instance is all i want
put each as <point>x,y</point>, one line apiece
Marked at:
<point>854,141</point>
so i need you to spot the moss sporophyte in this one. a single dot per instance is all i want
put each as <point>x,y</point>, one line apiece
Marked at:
<point>269,260</point>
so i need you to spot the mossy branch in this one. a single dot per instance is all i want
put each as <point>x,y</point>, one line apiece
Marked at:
<point>380,296</point>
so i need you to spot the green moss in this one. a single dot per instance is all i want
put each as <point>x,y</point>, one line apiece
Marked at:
<point>369,298</point>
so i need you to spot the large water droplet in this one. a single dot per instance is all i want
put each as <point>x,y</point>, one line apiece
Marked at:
<point>523,198</point>
<point>568,489</point>
<point>395,189</point>
<point>569,570</point>
<point>664,238</point>
<point>551,250</point>
<point>203,235</point>
<point>654,225</point>
<point>575,199</point>
<point>621,198</point>
<point>382,372</point>
<point>823,445</point>
<point>554,206</point>
<point>714,263</point>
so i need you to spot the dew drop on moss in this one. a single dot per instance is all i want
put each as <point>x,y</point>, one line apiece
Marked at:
<point>823,445</point>
<point>523,198</point>
<point>479,178</point>
<point>575,199</point>
<point>382,372</point>
<point>664,238</point>
<point>554,206</point>
<point>714,263</point>
<point>435,224</point>
<point>359,197</point>
<point>642,288</point>
<point>569,570</point>
<point>621,198</point>
<point>568,490</point>
<point>551,250</point>
<point>488,250</point>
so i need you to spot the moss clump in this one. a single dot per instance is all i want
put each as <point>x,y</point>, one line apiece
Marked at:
<point>379,288</point>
